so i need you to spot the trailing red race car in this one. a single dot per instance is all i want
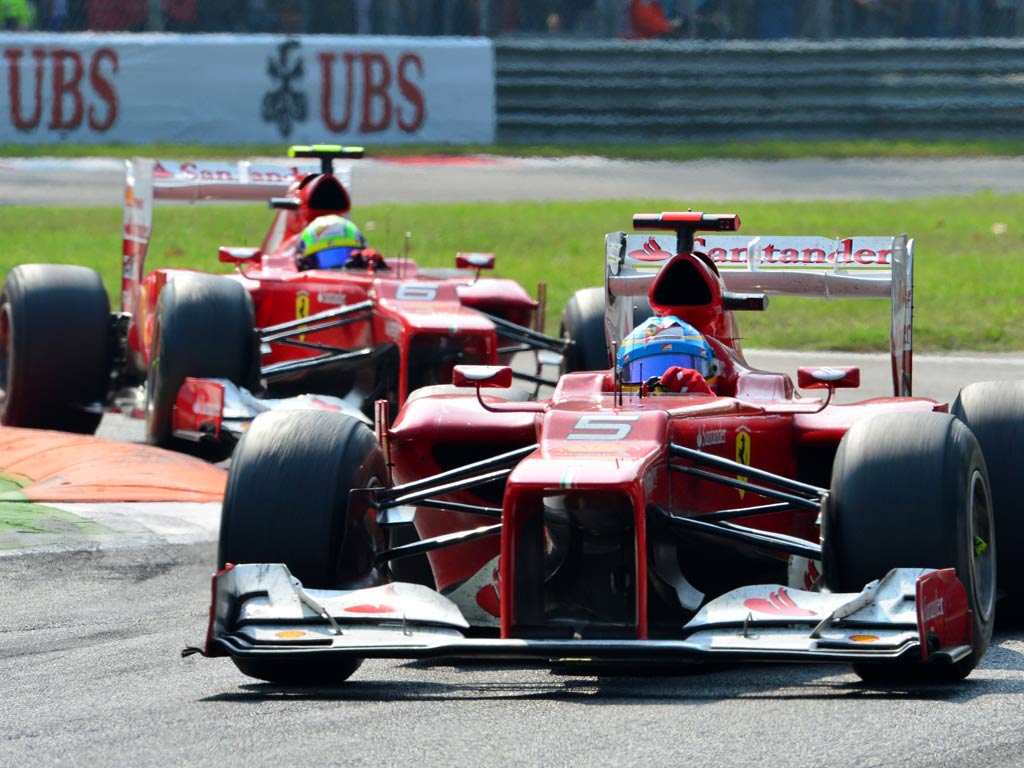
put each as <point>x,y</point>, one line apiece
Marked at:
<point>644,513</point>
<point>200,355</point>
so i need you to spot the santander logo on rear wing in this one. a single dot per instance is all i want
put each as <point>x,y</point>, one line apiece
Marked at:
<point>816,267</point>
<point>244,180</point>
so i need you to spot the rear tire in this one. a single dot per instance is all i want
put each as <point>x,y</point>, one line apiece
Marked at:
<point>55,348</point>
<point>994,412</point>
<point>910,490</point>
<point>203,328</point>
<point>583,326</point>
<point>287,501</point>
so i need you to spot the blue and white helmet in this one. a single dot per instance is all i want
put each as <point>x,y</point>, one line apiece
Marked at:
<point>659,343</point>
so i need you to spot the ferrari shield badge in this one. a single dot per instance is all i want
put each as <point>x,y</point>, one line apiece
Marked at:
<point>742,452</point>
<point>302,308</point>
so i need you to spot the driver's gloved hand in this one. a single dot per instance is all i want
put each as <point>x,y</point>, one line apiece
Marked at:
<point>679,379</point>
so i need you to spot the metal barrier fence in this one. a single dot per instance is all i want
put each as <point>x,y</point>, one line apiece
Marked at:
<point>622,91</point>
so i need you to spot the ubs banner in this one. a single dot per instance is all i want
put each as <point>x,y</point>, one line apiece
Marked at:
<point>224,89</point>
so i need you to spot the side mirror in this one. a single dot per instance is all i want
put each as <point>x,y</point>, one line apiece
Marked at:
<point>489,376</point>
<point>475,261</point>
<point>828,377</point>
<point>236,255</point>
<point>492,377</point>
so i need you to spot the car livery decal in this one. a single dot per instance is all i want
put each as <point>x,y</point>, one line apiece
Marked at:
<point>742,452</point>
<point>302,308</point>
<point>478,597</point>
<point>569,477</point>
<point>707,436</point>
<point>377,606</point>
<point>331,297</point>
<point>778,603</point>
<point>650,251</point>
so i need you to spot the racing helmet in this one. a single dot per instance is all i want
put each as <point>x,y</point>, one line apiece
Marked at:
<point>328,242</point>
<point>660,343</point>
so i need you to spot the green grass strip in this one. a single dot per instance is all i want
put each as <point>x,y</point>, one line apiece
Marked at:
<point>27,518</point>
<point>969,269</point>
<point>11,485</point>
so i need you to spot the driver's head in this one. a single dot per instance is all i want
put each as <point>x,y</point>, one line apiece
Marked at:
<point>660,343</point>
<point>328,242</point>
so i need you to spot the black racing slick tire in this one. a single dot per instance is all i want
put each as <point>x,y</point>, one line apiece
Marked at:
<point>55,348</point>
<point>204,328</point>
<point>293,497</point>
<point>994,412</point>
<point>288,498</point>
<point>911,490</point>
<point>583,327</point>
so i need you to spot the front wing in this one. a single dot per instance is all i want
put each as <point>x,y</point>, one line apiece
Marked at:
<point>219,409</point>
<point>263,611</point>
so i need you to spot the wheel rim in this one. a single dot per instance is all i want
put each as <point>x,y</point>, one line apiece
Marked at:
<point>983,561</point>
<point>361,512</point>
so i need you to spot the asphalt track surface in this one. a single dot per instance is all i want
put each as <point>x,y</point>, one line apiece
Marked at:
<point>500,179</point>
<point>91,674</point>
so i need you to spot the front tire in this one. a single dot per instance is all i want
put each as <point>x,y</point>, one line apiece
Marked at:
<point>203,328</point>
<point>293,497</point>
<point>55,348</point>
<point>911,490</point>
<point>288,499</point>
<point>994,412</point>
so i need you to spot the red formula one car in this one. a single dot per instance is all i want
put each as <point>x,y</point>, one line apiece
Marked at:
<point>620,523</point>
<point>199,355</point>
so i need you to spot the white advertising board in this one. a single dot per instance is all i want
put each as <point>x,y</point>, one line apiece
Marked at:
<point>226,89</point>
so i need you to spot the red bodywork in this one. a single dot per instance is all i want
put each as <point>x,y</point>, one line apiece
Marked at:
<point>602,462</point>
<point>427,317</point>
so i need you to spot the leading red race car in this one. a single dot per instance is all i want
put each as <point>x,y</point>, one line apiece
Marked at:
<point>199,355</point>
<point>618,522</point>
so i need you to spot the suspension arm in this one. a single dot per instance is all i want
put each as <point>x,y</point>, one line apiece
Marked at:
<point>727,465</point>
<point>729,514</point>
<point>288,337</point>
<point>289,366</point>
<point>457,485</point>
<point>385,496</point>
<point>789,545</point>
<point>520,333</point>
<point>760,490</point>
<point>454,506</point>
<point>329,314</point>
<point>438,542</point>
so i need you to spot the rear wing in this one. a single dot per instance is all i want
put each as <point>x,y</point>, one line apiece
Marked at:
<point>843,268</point>
<point>147,180</point>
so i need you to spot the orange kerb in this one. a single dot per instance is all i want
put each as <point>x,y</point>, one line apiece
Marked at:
<point>70,468</point>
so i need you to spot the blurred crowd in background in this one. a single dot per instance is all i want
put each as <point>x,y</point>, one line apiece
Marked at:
<point>630,19</point>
